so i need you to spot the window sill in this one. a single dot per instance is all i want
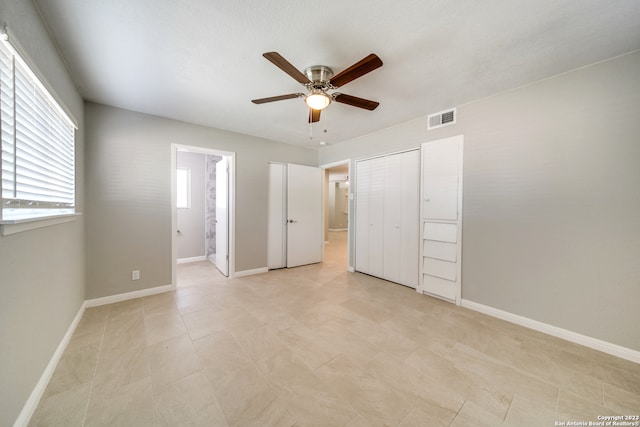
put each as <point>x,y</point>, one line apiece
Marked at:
<point>13,226</point>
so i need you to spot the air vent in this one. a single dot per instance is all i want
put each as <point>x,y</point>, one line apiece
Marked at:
<point>443,118</point>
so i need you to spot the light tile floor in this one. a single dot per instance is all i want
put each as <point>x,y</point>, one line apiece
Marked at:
<point>317,346</point>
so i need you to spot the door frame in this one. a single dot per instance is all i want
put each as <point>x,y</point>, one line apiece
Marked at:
<point>350,216</point>
<point>222,174</point>
<point>174,211</point>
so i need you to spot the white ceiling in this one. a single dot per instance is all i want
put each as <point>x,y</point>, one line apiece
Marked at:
<point>201,61</point>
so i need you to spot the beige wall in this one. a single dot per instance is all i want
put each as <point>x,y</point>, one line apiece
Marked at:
<point>129,198</point>
<point>42,270</point>
<point>551,223</point>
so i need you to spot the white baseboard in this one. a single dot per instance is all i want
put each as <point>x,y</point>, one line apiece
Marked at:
<point>338,229</point>
<point>251,272</point>
<point>32,402</point>
<point>351,269</point>
<point>192,259</point>
<point>594,343</point>
<point>129,295</point>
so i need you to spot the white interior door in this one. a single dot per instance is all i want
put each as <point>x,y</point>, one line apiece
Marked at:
<point>440,179</point>
<point>277,229</point>
<point>304,215</point>
<point>222,216</point>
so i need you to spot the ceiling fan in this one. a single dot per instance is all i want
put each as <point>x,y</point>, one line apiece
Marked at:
<point>319,79</point>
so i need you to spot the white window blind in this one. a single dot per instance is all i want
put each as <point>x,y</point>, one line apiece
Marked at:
<point>38,145</point>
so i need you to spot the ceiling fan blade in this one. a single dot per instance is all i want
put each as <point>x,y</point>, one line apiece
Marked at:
<point>355,101</point>
<point>358,69</point>
<point>277,98</point>
<point>285,66</point>
<point>314,115</point>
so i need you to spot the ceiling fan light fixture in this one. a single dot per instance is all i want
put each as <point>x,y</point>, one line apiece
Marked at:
<point>317,100</point>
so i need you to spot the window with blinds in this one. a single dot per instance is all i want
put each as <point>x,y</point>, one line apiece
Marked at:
<point>38,145</point>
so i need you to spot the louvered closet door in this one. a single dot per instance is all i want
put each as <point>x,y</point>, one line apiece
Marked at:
<point>387,217</point>
<point>370,178</point>
<point>362,216</point>
<point>377,173</point>
<point>393,217</point>
<point>401,218</point>
<point>410,219</point>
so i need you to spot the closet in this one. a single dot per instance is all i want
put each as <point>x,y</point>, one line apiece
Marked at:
<point>441,213</point>
<point>388,217</point>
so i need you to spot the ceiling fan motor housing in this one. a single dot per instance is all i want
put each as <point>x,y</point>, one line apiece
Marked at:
<point>319,75</point>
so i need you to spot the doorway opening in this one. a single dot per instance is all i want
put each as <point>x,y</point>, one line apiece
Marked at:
<point>338,197</point>
<point>203,201</point>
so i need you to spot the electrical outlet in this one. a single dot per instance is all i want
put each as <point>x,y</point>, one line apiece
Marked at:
<point>135,275</point>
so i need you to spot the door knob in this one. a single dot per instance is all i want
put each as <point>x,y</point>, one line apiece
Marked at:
<point>291,221</point>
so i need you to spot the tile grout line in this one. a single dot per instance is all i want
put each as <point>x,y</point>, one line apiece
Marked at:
<point>203,369</point>
<point>458,413</point>
<point>506,414</point>
<point>153,387</point>
<point>146,354</point>
<point>327,362</point>
<point>407,415</point>
<point>95,369</point>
